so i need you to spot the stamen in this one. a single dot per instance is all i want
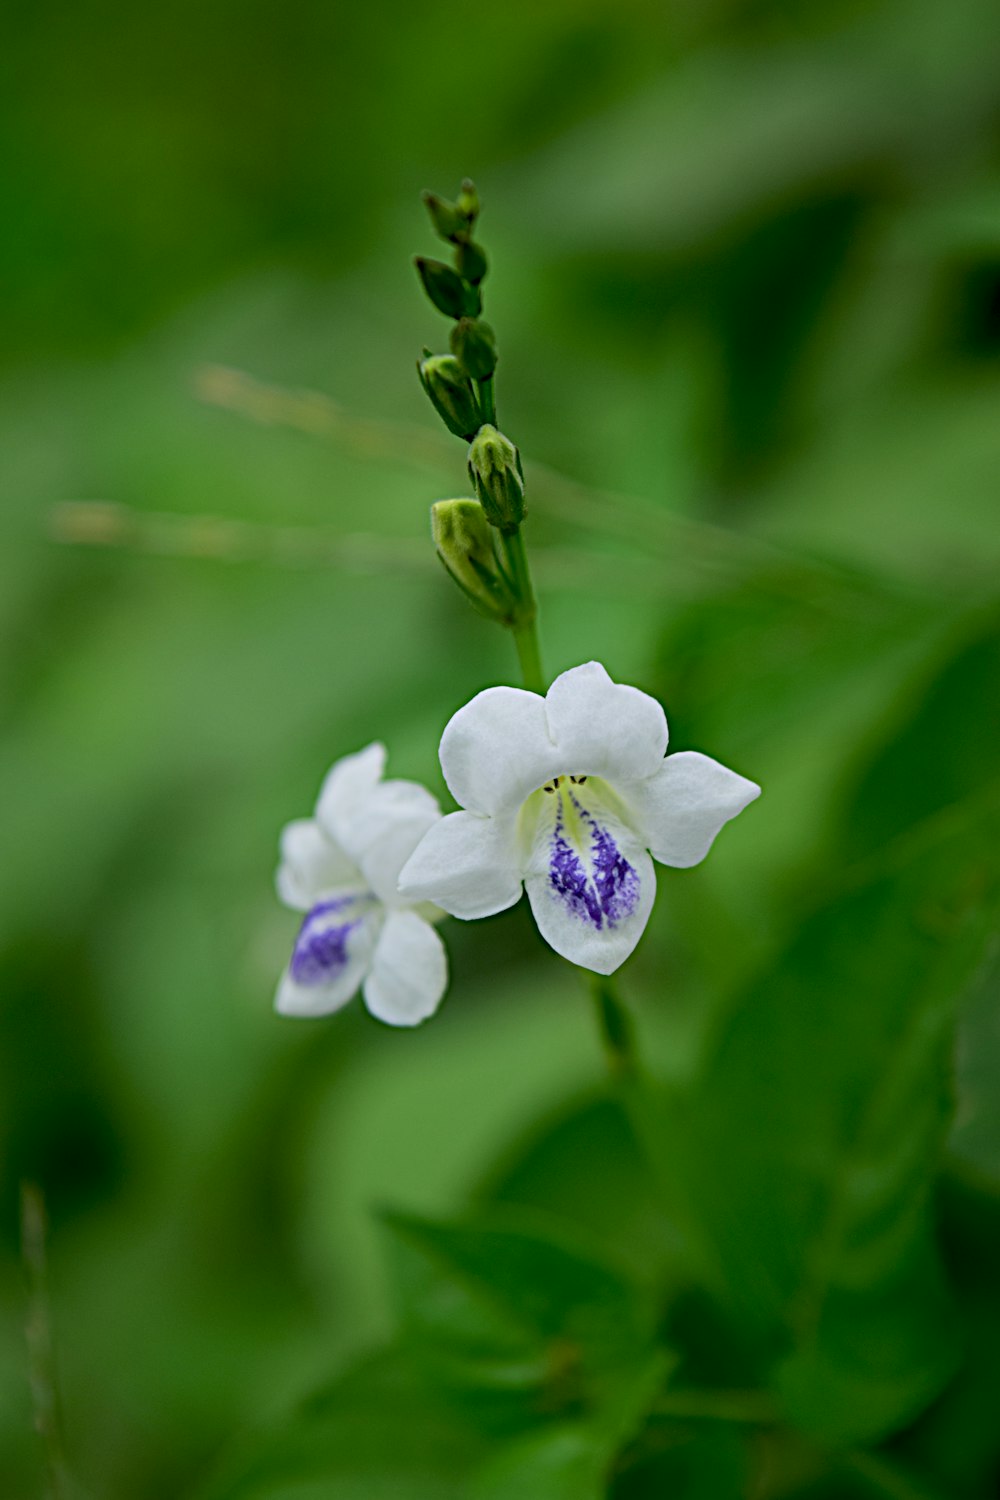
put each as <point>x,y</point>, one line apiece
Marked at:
<point>578,780</point>
<point>553,785</point>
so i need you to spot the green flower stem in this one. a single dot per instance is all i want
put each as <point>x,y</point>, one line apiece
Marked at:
<point>615,1025</point>
<point>525,627</point>
<point>526,641</point>
<point>487,400</point>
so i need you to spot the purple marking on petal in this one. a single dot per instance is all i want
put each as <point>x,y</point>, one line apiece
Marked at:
<point>320,950</point>
<point>616,880</point>
<point>613,892</point>
<point>568,879</point>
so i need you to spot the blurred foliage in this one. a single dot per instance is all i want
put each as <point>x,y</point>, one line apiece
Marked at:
<point>745,270</point>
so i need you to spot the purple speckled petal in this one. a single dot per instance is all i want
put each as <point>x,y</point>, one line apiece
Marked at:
<point>331,957</point>
<point>590,882</point>
<point>320,951</point>
<point>602,889</point>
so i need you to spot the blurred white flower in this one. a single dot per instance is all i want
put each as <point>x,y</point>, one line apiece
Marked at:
<point>341,867</point>
<point>566,794</point>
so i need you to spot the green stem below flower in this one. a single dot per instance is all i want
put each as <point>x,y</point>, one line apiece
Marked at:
<point>526,641</point>
<point>615,1025</point>
<point>525,626</point>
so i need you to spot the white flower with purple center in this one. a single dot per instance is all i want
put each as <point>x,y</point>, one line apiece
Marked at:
<point>569,795</point>
<point>341,867</point>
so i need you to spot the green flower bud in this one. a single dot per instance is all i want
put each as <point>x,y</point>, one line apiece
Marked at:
<point>473,342</point>
<point>464,543</point>
<point>470,259</point>
<point>495,470</point>
<point>468,201</point>
<point>448,220</point>
<point>451,391</point>
<point>446,289</point>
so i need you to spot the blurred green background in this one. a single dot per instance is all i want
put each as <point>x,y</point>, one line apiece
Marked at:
<point>746,283</point>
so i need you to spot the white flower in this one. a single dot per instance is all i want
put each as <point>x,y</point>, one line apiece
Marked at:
<point>341,868</point>
<point>566,794</point>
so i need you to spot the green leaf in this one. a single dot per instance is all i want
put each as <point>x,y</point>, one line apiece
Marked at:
<point>805,1155</point>
<point>374,1434</point>
<point>573,1460</point>
<point>521,1324</point>
<point>693,1460</point>
<point>957,715</point>
<point>809,1148</point>
<point>770,653</point>
<point>975,1136</point>
<point>586,1166</point>
<point>558,1463</point>
<point>934,756</point>
<point>957,1442</point>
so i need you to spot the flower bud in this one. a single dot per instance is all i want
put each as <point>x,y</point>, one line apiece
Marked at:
<point>495,470</point>
<point>474,344</point>
<point>448,220</point>
<point>470,259</point>
<point>451,392</point>
<point>464,544</point>
<point>468,201</point>
<point>446,289</point>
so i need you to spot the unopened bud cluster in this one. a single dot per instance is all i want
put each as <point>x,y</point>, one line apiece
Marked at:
<point>455,291</point>
<point>476,539</point>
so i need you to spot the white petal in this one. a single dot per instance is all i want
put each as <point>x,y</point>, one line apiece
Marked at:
<point>383,831</point>
<point>409,972</point>
<point>604,728</point>
<point>333,953</point>
<point>466,864</point>
<point>386,858</point>
<point>682,807</point>
<point>312,866</point>
<point>497,749</point>
<point>590,883</point>
<point>347,782</point>
<point>309,1001</point>
<point>377,812</point>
